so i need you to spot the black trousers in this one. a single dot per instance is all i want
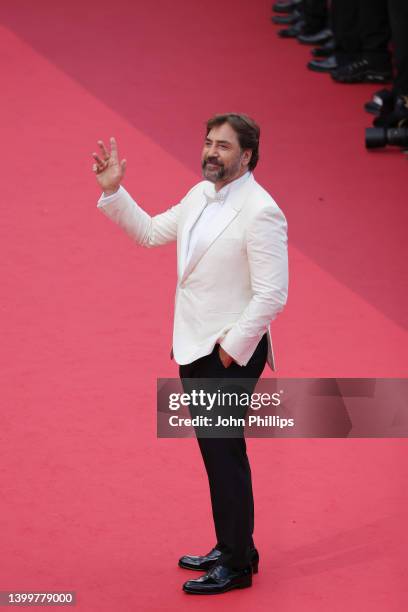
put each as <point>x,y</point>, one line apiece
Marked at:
<point>398,12</point>
<point>316,15</point>
<point>361,30</point>
<point>227,465</point>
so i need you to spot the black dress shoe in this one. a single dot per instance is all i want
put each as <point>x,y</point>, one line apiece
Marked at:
<point>383,99</point>
<point>218,580</point>
<point>205,562</point>
<point>315,39</point>
<point>325,50</point>
<point>394,116</point>
<point>287,19</point>
<point>293,31</point>
<point>326,65</point>
<point>361,71</point>
<point>286,7</point>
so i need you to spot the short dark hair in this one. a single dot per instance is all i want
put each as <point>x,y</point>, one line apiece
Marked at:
<point>246,129</point>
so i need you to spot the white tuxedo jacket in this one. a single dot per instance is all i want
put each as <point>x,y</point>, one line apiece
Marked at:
<point>236,280</point>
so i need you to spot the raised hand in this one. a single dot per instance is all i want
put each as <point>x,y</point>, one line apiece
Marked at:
<point>109,171</point>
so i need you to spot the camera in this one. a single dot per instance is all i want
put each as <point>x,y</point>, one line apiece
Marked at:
<point>391,127</point>
<point>378,137</point>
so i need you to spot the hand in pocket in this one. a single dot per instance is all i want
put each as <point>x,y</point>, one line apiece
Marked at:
<point>223,356</point>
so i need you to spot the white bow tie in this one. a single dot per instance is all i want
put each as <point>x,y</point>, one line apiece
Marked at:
<point>217,197</point>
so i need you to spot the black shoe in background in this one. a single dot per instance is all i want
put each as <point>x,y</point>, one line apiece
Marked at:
<point>293,31</point>
<point>325,50</point>
<point>318,38</point>
<point>396,117</point>
<point>382,99</point>
<point>325,65</point>
<point>287,19</point>
<point>361,71</point>
<point>286,7</point>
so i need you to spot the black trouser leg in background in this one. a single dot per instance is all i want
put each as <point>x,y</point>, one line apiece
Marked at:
<point>346,29</point>
<point>227,464</point>
<point>398,13</point>
<point>375,32</point>
<point>316,15</point>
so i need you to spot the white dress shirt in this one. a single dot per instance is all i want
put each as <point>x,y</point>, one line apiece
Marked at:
<point>211,210</point>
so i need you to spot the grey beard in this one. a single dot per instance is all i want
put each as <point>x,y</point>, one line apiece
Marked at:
<point>220,174</point>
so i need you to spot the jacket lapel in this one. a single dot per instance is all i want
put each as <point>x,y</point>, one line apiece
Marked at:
<point>197,206</point>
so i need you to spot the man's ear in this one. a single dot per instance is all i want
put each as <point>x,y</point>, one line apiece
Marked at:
<point>246,156</point>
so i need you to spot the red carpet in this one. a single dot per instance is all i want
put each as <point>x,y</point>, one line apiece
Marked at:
<point>91,500</point>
